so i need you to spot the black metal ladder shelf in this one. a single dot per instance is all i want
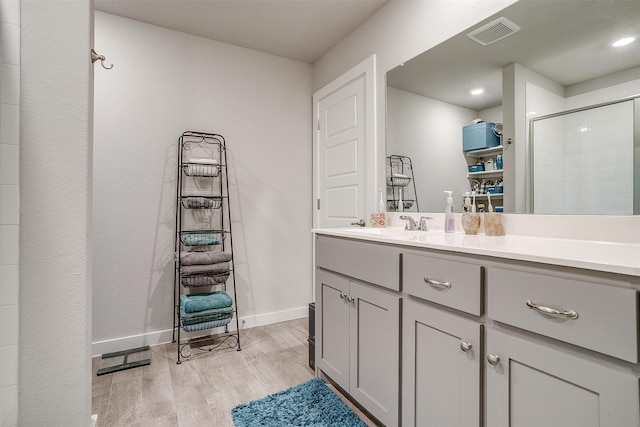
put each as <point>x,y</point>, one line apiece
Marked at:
<point>203,248</point>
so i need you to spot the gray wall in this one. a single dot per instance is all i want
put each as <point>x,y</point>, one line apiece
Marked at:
<point>163,83</point>
<point>396,33</point>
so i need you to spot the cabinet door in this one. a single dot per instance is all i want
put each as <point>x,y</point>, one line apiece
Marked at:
<point>375,351</point>
<point>440,368</point>
<point>332,334</point>
<point>534,385</point>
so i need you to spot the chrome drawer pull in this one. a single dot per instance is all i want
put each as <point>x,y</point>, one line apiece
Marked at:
<point>343,295</point>
<point>436,284</point>
<point>465,346</point>
<point>350,299</point>
<point>571,314</point>
<point>493,359</point>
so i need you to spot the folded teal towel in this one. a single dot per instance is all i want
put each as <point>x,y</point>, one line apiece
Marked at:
<point>208,301</point>
<point>200,239</point>
<point>205,316</point>
<point>201,326</point>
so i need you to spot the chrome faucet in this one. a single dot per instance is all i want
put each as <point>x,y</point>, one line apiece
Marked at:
<point>423,223</point>
<point>411,225</point>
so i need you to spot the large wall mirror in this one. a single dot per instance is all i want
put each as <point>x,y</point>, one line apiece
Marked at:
<point>565,102</point>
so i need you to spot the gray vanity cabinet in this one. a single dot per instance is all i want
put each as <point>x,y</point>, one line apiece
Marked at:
<point>529,384</point>
<point>486,341</point>
<point>358,328</point>
<point>441,346</point>
<point>531,381</point>
<point>333,329</point>
<point>441,361</point>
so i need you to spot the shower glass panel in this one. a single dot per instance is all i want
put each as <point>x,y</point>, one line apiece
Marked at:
<point>582,161</point>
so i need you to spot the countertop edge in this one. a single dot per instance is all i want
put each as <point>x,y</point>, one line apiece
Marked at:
<point>589,263</point>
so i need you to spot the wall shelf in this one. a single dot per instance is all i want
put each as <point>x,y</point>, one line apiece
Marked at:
<point>485,174</point>
<point>484,152</point>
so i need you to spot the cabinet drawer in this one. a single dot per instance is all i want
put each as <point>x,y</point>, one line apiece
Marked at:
<point>452,283</point>
<point>605,318</point>
<point>374,263</point>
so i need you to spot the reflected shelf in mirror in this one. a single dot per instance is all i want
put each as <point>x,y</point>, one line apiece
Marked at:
<point>478,154</point>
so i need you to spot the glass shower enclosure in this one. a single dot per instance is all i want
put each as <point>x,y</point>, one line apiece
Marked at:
<point>586,161</point>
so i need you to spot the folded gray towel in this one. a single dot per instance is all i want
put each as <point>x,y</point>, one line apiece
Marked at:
<point>205,268</point>
<point>197,258</point>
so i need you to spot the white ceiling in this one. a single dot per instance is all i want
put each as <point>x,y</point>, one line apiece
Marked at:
<point>565,41</point>
<point>302,30</point>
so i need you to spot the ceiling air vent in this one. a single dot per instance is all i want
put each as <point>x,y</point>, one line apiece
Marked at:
<point>493,31</point>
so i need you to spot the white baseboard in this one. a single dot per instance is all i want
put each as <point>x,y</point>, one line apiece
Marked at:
<point>274,317</point>
<point>134,341</point>
<point>163,337</point>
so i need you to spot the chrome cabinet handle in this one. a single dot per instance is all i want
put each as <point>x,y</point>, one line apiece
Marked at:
<point>360,223</point>
<point>465,346</point>
<point>350,299</point>
<point>343,295</point>
<point>437,284</point>
<point>493,359</point>
<point>571,314</point>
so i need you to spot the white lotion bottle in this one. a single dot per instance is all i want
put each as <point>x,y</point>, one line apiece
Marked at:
<point>449,223</point>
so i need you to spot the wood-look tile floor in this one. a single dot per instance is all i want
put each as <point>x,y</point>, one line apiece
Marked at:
<point>203,389</point>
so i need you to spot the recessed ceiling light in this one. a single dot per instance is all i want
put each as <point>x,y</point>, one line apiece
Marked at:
<point>476,91</point>
<point>623,42</point>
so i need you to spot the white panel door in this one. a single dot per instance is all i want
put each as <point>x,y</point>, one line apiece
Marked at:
<point>344,146</point>
<point>341,162</point>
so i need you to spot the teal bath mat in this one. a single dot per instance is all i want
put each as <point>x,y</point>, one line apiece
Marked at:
<point>308,404</point>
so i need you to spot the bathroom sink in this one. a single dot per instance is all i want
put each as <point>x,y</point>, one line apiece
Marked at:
<point>386,231</point>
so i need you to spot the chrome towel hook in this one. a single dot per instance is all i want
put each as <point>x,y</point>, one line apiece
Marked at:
<point>95,57</point>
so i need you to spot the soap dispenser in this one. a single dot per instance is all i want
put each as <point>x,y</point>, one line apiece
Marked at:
<point>449,224</point>
<point>466,207</point>
<point>470,219</point>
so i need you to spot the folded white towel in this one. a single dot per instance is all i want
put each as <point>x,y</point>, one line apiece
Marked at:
<point>204,161</point>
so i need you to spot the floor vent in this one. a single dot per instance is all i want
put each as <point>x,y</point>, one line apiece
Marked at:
<point>493,31</point>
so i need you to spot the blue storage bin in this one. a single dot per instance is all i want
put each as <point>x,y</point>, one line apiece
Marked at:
<point>476,168</point>
<point>479,136</point>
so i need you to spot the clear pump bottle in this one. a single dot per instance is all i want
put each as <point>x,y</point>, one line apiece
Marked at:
<point>449,223</point>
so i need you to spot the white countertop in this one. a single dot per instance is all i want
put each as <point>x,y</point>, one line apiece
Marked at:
<point>621,258</point>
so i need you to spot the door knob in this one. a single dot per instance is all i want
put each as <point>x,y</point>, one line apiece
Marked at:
<point>465,346</point>
<point>343,295</point>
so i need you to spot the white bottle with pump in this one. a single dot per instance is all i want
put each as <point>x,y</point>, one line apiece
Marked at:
<point>449,223</point>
